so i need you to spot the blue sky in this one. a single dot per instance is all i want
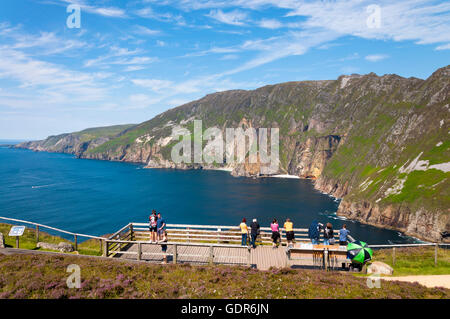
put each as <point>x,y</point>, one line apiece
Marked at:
<point>131,60</point>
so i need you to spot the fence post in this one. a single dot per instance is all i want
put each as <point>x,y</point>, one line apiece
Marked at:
<point>139,252</point>
<point>131,232</point>
<point>325,259</point>
<point>393,256</point>
<point>75,241</point>
<point>37,233</point>
<point>188,237</point>
<point>249,259</point>
<point>105,248</point>
<point>435,253</point>
<point>101,246</point>
<point>175,253</point>
<point>211,255</point>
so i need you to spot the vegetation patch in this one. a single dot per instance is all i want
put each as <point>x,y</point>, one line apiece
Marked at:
<point>44,276</point>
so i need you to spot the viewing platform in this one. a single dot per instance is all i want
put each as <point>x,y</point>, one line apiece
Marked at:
<point>208,244</point>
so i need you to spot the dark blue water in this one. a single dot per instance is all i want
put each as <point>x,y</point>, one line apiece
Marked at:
<point>99,197</point>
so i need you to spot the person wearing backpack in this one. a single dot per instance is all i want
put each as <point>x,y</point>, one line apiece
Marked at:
<point>152,224</point>
<point>328,235</point>
<point>254,226</point>
<point>314,232</point>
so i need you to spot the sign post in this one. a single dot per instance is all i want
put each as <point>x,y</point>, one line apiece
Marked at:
<point>17,231</point>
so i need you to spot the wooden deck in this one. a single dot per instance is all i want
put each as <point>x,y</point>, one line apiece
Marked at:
<point>262,257</point>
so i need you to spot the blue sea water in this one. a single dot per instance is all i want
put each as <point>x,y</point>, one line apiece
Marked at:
<point>99,197</point>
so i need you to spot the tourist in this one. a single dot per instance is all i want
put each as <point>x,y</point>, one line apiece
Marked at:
<point>164,248</point>
<point>244,231</point>
<point>275,233</point>
<point>343,233</point>
<point>314,232</point>
<point>328,235</point>
<point>161,226</point>
<point>152,223</point>
<point>254,226</point>
<point>289,229</point>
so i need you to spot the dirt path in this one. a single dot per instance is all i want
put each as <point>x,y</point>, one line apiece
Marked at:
<point>430,281</point>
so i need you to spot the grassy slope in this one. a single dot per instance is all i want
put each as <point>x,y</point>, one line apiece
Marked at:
<point>106,131</point>
<point>416,261</point>
<point>44,276</point>
<point>28,241</point>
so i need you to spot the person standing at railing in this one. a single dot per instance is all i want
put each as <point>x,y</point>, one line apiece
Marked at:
<point>289,229</point>
<point>161,226</point>
<point>275,233</point>
<point>254,227</point>
<point>314,232</point>
<point>343,233</point>
<point>152,224</point>
<point>244,231</point>
<point>328,235</point>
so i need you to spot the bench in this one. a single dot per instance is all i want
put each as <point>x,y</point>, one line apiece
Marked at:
<point>324,256</point>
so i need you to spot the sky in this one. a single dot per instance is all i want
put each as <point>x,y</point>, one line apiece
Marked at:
<point>120,62</point>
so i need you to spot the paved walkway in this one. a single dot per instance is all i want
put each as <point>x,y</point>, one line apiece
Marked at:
<point>430,281</point>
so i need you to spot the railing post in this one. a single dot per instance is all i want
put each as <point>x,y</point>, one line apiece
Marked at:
<point>131,232</point>
<point>188,237</point>
<point>37,233</point>
<point>211,255</point>
<point>105,248</point>
<point>325,259</point>
<point>393,256</point>
<point>435,253</point>
<point>249,258</point>
<point>101,245</point>
<point>17,241</point>
<point>75,241</point>
<point>139,252</point>
<point>175,253</point>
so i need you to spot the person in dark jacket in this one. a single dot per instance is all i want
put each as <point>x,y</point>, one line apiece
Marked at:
<point>314,232</point>
<point>254,232</point>
<point>328,235</point>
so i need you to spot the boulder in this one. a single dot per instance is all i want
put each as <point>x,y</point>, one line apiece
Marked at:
<point>62,247</point>
<point>2,241</point>
<point>378,267</point>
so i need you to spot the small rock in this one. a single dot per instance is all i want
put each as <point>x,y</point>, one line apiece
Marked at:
<point>65,247</point>
<point>2,241</point>
<point>62,247</point>
<point>378,267</point>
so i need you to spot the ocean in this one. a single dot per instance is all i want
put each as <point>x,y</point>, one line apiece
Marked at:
<point>99,197</point>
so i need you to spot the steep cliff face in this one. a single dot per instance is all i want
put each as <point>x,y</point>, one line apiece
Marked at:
<point>379,143</point>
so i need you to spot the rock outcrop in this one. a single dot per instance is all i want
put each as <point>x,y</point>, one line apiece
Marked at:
<point>62,246</point>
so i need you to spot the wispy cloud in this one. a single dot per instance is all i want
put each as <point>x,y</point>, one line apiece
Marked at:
<point>234,17</point>
<point>376,57</point>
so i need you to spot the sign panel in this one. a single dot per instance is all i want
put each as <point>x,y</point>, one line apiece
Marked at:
<point>17,231</point>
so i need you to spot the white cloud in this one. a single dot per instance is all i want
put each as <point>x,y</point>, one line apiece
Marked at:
<point>234,17</point>
<point>376,57</point>
<point>145,31</point>
<point>443,47</point>
<point>270,24</point>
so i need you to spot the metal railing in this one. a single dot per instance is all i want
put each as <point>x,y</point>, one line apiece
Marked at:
<point>180,235</point>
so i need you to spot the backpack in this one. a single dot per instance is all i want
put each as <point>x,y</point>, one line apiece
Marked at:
<point>153,220</point>
<point>313,231</point>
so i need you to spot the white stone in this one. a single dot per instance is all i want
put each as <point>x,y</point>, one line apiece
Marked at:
<point>378,267</point>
